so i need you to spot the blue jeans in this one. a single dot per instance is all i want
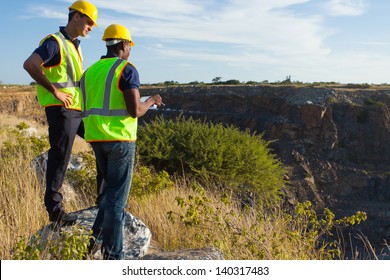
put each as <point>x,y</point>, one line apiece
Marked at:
<point>116,161</point>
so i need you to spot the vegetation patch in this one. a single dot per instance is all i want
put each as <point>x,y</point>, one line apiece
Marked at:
<point>215,154</point>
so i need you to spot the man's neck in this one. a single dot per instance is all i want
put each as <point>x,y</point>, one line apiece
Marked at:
<point>72,32</point>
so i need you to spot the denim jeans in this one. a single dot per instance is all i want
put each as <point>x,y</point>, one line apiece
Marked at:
<point>116,160</point>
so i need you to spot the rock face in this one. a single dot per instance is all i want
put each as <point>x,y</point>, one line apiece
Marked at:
<point>136,235</point>
<point>335,140</point>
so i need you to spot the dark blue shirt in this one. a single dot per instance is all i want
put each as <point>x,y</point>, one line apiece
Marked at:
<point>129,78</point>
<point>49,50</point>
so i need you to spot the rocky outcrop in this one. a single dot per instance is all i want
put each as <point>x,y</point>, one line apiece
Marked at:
<point>136,235</point>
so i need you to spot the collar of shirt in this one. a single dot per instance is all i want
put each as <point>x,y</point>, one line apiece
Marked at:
<point>109,56</point>
<point>76,41</point>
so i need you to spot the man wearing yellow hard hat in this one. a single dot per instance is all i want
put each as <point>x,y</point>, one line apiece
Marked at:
<point>57,65</point>
<point>111,105</point>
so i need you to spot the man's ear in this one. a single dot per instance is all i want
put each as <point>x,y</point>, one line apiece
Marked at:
<point>76,16</point>
<point>123,46</point>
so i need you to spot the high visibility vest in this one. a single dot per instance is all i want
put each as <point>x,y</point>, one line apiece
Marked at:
<point>104,109</point>
<point>65,75</point>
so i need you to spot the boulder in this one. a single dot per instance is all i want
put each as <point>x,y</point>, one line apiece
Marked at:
<point>136,236</point>
<point>39,164</point>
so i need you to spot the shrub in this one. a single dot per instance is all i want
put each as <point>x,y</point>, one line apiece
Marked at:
<point>67,245</point>
<point>29,146</point>
<point>224,156</point>
<point>258,234</point>
<point>373,102</point>
<point>146,182</point>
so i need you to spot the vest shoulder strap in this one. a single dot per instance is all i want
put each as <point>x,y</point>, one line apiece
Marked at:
<point>105,111</point>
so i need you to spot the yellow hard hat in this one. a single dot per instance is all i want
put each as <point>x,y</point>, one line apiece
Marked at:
<point>117,32</point>
<point>87,9</point>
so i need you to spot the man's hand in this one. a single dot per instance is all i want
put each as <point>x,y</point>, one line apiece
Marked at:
<point>157,100</point>
<point>63,97</point>
<point>33,67</point>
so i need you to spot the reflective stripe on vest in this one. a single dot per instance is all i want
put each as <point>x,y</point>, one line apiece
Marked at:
<point>104,108</point>
<point>65,76</point>
<point>69,69</point>
<point>105,111</point>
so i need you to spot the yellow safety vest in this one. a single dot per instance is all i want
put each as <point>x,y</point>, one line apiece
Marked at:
<point>104,109</point>
<point>65,75</point>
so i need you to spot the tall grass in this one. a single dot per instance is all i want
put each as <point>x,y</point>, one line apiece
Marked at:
<point>22,211</point>
<point>188,216</point>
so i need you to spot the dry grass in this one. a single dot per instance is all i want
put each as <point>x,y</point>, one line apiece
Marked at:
<point>152,210</point>
<point>11,121</point>
<point>265,238</point>
<point>21,198</point>
<point>21,204</point>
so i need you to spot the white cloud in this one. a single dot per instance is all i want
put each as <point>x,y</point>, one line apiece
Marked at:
<point>346,7</point>
<point>225,31</point>
<point>258,25</point>
<point>44,11</point>
<point>151,9</point>
<point>243,36</point>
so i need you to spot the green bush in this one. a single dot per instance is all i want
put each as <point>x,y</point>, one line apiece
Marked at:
<point>373,102</point>
<point>224,156</point>
<point>71,244</point>
<point>146,182</point>
<point>29,146</point>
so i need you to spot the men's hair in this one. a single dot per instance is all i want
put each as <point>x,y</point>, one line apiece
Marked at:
<point>72,13</point>
<point>114,48</point>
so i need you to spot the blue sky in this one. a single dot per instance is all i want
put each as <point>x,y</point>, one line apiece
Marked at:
<point>346,41</point>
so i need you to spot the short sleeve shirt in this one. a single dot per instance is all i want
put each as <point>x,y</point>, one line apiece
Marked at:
<point>49,50</point>
<point>129,78</point>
